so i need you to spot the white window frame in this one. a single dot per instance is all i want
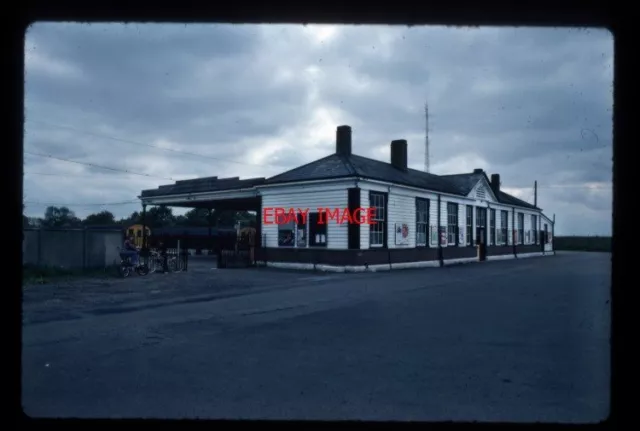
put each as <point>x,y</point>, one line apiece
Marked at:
<point>422,225</point>
<point>478,224</point>
<point>468,225</point>
<point>377,229</point>
<point>492,228</point>
<point>504,227</point>
<point>454,233</point>
<point>520,229</point>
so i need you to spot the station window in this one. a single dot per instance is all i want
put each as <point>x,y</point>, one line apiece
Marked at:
<point>377,229</point>
<point>422,221</point>
<point>452,223</point>
<point>317,232</point>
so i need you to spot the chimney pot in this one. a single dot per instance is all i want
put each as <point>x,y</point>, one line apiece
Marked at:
<point>478,171</point>
<point>343,140</point>
<point>399,154</point>
<point>495,183</point>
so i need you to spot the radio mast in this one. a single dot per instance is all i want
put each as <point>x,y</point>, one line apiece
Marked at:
<point>426,138</point>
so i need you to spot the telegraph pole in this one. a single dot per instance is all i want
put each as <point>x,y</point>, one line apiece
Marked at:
<point>426,138</point>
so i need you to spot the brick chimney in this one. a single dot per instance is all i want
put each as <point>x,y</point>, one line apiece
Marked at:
<point>495,183</point>
<point>399,154</point>
<point>343,140</point>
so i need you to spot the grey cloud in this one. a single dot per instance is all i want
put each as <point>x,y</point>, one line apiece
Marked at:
<point>531,104</point>
<point>146,66</point>
<point>531,96</point>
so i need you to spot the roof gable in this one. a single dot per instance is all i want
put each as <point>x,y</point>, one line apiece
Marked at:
<point>466,184</point>
<point>463,183</point>
<point>482,191</point>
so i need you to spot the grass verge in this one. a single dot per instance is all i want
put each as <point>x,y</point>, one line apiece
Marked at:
<point>583,243</point>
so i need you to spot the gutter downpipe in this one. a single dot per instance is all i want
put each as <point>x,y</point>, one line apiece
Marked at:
<point>553,234</point>
<point>513,232</point>
<point>387,209</point>
<point>490,234</point>
<point>440,259</point>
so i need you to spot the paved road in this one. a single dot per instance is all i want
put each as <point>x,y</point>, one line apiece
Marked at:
<point>523,340</point>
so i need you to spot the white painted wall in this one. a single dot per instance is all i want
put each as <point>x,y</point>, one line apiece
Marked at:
<point>312,197</point>
<point>401,209</point>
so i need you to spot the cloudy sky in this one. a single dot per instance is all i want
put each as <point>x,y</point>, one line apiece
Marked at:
<point>168,102</point>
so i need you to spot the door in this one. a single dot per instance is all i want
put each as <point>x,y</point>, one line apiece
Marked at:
<point>481,231</point>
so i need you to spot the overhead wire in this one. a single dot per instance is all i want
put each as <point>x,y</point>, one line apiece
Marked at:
<point>97,166</point>
<point>129,141</point>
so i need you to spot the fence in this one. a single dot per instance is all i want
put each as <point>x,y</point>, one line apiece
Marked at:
<point>177,259</point>
<point>71,248</point>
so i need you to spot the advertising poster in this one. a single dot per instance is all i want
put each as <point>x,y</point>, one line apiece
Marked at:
<point>402,234</point>
<point>434,236</point>
<point>301,238</point>
<point>461,237</point>
<point>443,235</point>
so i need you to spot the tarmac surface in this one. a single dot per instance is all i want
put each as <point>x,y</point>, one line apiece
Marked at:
<point>520,341</point>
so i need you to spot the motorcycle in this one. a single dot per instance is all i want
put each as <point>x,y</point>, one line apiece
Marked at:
<point>127,267</point>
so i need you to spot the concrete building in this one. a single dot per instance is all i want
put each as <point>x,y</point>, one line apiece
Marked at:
<point>421,219</point>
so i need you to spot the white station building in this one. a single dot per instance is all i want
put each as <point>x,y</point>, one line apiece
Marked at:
<point>421,219</point>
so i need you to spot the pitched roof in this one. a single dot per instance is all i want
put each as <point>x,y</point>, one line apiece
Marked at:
<point>506,198</point>
<point>337,166</point>
<point>344,166</point>
<point>466,182</point>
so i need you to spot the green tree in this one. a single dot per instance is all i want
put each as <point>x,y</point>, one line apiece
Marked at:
<point>180,220</point>
<point>133,218</point>
<point>160,216</point>
<point>197,217</point>
<point>102,218</point>
<point>60,217</point>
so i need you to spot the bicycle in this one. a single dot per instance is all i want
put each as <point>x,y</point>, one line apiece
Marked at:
<point>156,262</point>
<point>126,266</point>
